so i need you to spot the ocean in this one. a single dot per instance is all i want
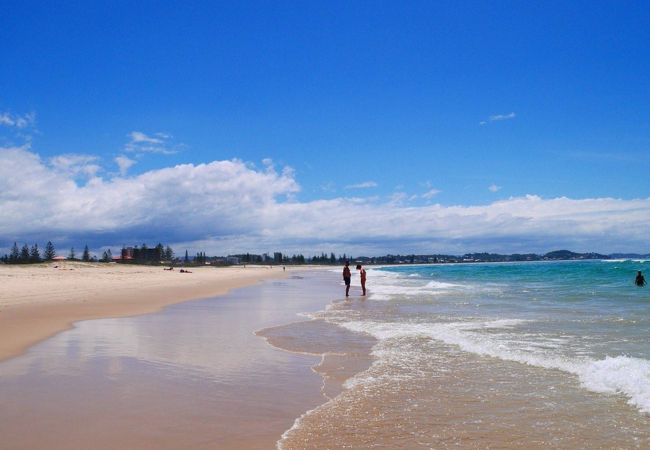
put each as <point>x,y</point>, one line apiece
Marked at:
<point>495,355</point>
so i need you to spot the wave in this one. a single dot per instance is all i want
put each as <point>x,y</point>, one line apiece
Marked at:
<point>624,375</point>
<point>385,285</point>
<point>622,260</point>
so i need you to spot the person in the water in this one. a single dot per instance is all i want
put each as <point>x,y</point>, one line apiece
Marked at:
<point>640,279</point>
<point>362,275</point>
<point>347,275</point>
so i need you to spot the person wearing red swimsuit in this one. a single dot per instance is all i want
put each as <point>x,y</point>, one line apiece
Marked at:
<point>362,275</point>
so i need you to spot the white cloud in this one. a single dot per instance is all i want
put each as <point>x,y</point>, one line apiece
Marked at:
<point>139,137</point>
<point>363,185</point>
<point>494,188</point>
<point>17,121</point>
<point>430,194</point>
<point>140,143</point>
<point>76,164</point>
<point>124,163</point>
<point>229,206</point>
<point>498,117</point>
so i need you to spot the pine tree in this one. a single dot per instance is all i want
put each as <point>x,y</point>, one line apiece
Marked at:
<point>14,256</point>
<point>86,254</point>
<point>160,252</point>
<point>169,253</point>
<point>49,251</point>
<point>24,254</point>
<point>107,256</point>
<point>34,254</point>
<point>72,254</point>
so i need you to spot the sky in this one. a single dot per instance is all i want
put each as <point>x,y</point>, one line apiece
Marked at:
<point>363,128</point>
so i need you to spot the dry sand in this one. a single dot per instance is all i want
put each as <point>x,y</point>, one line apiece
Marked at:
<point>38,301</point>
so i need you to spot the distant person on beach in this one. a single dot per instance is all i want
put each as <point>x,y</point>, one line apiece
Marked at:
<point>640,279</point>
<point>347,275</point>
<point>362,275</point>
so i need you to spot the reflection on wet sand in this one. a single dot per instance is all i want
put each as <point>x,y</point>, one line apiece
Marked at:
<point>191,376</point>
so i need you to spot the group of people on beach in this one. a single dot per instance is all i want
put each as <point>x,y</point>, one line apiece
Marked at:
<point>347,276</point>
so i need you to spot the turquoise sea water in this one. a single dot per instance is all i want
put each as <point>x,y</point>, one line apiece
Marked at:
<point>586,318</point>
<point>539,354</point>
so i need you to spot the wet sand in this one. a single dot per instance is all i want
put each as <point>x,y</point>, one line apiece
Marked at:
<point>193,375</point>
<point>210,374</point>
<point>421,393</point>
<point>38,301</point>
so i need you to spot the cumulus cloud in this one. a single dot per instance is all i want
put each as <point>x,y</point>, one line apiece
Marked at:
<point>494,188</point>
<point>498,117</point>
<point>140,143</point>
<point>76,164</point>
<point>124,163</point>
<point>230,206</point>
<point>222,198</point>
<point>363,185</point>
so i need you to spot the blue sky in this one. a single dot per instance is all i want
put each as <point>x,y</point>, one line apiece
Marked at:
<point>400,108</point>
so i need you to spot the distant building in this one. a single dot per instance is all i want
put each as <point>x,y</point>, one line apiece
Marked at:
<point>139,254</point>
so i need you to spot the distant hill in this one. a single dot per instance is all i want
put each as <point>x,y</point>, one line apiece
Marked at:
<point>629,256</point>
<point>567,254</point>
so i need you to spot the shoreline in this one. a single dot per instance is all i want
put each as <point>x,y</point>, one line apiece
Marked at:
<point>196,370</point>
<point>342,355</point>
<point>40,301</point>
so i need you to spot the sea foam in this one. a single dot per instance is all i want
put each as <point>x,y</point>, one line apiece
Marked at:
<point>624,375</point>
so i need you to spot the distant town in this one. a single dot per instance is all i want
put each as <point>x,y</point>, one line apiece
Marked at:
<point>165,255</point>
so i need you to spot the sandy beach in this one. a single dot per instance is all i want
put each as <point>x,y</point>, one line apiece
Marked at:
<point>419,363</point>
<point>195,374</point>
<point>38,301</point>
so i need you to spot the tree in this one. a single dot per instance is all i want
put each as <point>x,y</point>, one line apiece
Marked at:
<point>14,256</point>
<point>187,258</point>
<point>34,254</point>
<point>72,254</point>
<point>24,254</point>
<point>169,253</point>
<point>160,252</point>
<point>86,254</point>
<point>49,252</point>
<point>107,256</point>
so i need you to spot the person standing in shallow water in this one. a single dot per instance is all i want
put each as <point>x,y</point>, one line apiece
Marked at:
<point>362,275</point>
<point>347,275</point>
<point>640,279</point>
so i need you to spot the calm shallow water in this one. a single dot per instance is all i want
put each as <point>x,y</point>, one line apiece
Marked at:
<point>533,355</point>
<point>191,376</point>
